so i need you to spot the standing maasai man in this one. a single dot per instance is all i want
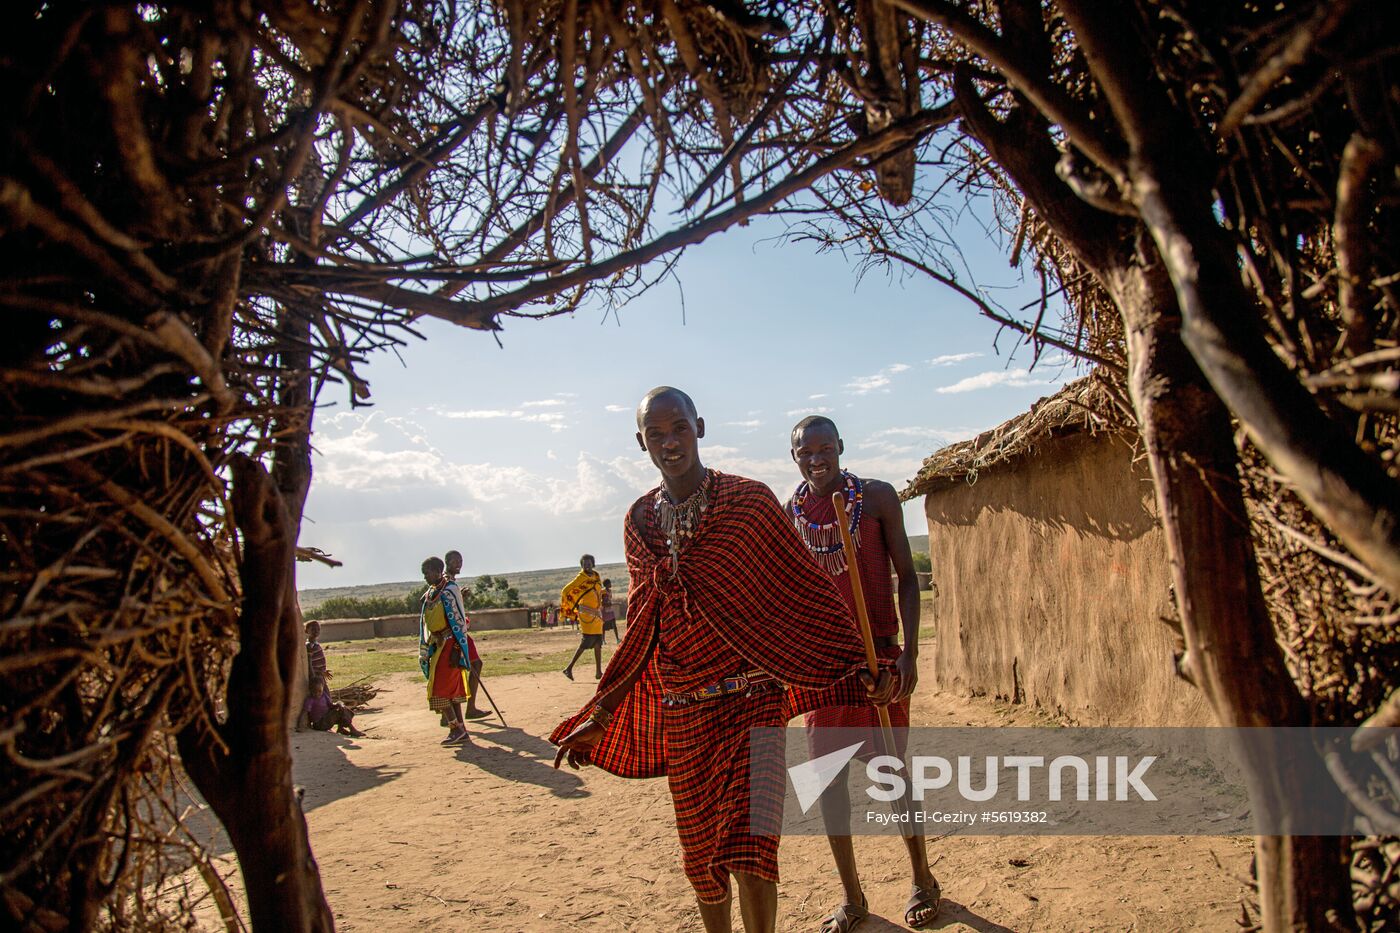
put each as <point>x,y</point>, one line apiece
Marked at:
<point>453,560</point>
<point>876,522</point>
<point>582,598</point>
<point>726,608</point>
<point>442,646</point>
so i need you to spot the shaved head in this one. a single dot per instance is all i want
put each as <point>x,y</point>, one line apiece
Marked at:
<point>665,392</point>
<point>813,421</point>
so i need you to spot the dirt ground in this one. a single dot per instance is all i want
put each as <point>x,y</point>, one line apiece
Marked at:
<point>489,837</point>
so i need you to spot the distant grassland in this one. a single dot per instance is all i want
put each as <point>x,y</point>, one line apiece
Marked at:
<point>505,652</point>
<point>535,586</point>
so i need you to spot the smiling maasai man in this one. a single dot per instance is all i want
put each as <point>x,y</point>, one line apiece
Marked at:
<point>726,609</point>
<point>876,523</point>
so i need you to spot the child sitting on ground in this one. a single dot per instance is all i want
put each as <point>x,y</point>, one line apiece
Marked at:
<point>322,713</point>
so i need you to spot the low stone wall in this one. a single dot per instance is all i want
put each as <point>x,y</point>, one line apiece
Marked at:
<point>483,620</point>
<point>353,629</point>
<point>1053,581</point>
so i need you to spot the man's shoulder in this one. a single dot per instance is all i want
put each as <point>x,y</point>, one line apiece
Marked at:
<point>744,500</point>
<point>638,510</point>
<point>742,487</point>
<point>878,489</point>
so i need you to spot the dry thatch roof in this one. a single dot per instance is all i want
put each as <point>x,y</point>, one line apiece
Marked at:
<point>1091,403</point>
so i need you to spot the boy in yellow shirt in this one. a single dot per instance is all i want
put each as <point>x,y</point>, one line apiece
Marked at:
<point>583,598</point>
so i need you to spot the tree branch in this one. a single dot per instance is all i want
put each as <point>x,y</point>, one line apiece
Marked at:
<point>1347,488</point>
<point>1020,74</point>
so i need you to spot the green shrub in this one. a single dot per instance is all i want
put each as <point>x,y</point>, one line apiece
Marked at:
<point>487,593</point>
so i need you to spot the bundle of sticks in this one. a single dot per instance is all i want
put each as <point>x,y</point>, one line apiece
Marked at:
<point>355,696</point>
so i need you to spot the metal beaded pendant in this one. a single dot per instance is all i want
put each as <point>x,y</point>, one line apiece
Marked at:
<point>679,522</point>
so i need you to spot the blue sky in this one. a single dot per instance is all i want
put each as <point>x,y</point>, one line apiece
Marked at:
<point>524,457</point>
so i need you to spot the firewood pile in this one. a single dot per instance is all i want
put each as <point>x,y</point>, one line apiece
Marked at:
<point>356,696</point>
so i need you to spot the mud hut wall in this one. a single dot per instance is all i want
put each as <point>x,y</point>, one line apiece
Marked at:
<point>1053,580</point>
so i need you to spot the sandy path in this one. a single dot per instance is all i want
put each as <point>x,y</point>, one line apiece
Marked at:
<point>412,836</point>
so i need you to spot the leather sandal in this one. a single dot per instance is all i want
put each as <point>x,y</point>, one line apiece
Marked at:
<point>846,917</point>
<point>923,901</point>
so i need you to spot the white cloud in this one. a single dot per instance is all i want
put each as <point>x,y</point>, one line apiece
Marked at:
<point>780,473</point>
<point>755,423</point>
<point>1019,378</point>
<point>553,419</point>
<point>940,436</point>
<point>894,468</point>
<point>472,414</point>
<point>863,385</point>
<point>544,403</point>
<point>614,408</point>
<point>410,521</point>
<point>948,359</point>
<point>818,410</point>
<point>376,458</point>
<point>817,396</point>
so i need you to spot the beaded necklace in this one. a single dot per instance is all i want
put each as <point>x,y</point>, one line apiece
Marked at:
<point>679,521</point>
<point>824,540</point>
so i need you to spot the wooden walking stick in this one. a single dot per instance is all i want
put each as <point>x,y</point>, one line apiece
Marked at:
<point>481,682</point>
<point>838,501</point>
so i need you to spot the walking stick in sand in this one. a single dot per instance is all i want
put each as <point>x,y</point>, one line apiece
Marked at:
<point>838,501</point>
<point>481,682</point>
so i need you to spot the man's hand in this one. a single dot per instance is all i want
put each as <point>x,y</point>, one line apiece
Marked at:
<point>578,745</point>
<point>885,691</point>
<point>907,667</point>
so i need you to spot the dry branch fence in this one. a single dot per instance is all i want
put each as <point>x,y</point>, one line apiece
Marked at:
<point>213,213</point>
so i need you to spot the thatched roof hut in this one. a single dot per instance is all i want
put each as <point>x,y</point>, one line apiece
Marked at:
<point>1084,405</point>
<point>1051,566</point>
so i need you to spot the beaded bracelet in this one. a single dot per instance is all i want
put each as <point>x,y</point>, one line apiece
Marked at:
<point>601,716</point>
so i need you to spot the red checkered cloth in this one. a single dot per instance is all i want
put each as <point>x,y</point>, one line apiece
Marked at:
<point>747,596</point>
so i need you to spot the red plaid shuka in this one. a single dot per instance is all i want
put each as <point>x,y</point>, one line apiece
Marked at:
<point>747,596</point>
<point>873,559</point>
